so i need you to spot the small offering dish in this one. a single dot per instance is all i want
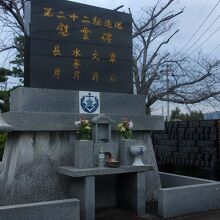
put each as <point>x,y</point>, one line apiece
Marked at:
<point>113,163</point>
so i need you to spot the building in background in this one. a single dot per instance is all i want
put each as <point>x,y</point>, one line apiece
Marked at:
<point>212,115</point>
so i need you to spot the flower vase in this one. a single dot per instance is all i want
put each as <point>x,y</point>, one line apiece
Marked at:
<point>85,136</point>
<point>137,151</point>
<point>125,156</point>
<point>83,154</point>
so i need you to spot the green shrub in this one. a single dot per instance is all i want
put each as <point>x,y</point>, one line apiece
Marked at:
<point>3,138</point>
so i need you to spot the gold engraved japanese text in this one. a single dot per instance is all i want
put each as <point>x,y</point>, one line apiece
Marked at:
<point>113,57</point>
<point>119,25</point>
<point>48,12</point>
<point>86,20</point>
<point>57,73</point>
<point>97,21</point>
<point>73,16</point>
<point>57,51</point>
<point>61,15</point>
<point>113,78</point>
<point>95,76</point>
<point>77,52</point>
<point>63,29</point>
<point>108,23</point>
<point>95,56</point>
<point>76,64</point>
<point>107,37</point>
<point>85,32</point>
<point>76,75</point>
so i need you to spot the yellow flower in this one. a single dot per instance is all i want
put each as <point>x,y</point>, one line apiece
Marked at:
<point>119,126</point>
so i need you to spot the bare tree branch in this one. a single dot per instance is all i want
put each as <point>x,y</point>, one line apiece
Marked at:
<point>146,27</point>
<point>11,7</point>
<point>187,81</point>
<point>119,7</point>
<point>7,48</point>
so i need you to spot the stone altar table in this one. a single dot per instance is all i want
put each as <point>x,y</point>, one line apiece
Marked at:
<point>130,187</point>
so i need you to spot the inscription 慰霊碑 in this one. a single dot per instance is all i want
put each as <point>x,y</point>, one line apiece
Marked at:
<point>79,47</point>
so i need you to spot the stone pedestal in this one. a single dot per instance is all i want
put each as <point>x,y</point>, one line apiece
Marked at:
<point>135,199</point>
<point>125,156</point>
<point>83,154</point>
<point>84,189</point>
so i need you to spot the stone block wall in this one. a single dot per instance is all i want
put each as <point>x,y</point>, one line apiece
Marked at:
<point>189,144</point>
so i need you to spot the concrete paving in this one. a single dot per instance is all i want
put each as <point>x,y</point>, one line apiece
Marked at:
<point>211,215</point>
<point>118,214</point>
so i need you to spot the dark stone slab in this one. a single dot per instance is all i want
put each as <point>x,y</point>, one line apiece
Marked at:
<point>189,149</point>
<point>183,124</point>
<point>187,143</point>
<point>200,156</point>
<point>213,137</point>
<point>192,156</point>
<point>180,155</point>
<point>208,123</point>
<point>206,157</point>
<point>200,130</point>
<point>80,47</point>
<point>164,153</point>
<point>168,124</point>
<point>194,124</point>
<point>168,142</point>
<point>175,124</point>
<point>190,130</point>
<point>213,130</point>
<point>196,136</point>
<point>181,136</point>
<point>167,148</point>
<point>213,157</point>
<point>205,144</point>
<point>181,130</point>
<point>209,151</point>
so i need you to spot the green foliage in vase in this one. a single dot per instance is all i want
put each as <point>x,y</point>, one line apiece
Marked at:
<point>3,139</point>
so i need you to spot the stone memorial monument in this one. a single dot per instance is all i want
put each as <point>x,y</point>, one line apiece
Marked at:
<point>81,45</point>
<point>78,64</point>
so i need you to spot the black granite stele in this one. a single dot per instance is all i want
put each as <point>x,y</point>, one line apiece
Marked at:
<point>78,47</point>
